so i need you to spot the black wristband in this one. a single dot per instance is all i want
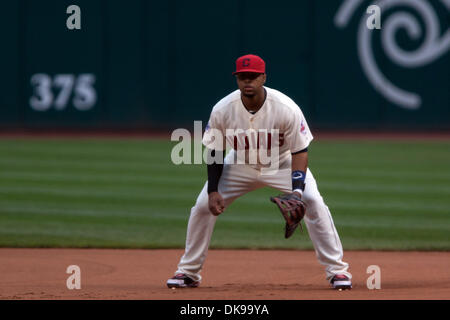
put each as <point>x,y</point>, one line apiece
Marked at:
<point>298,180</point>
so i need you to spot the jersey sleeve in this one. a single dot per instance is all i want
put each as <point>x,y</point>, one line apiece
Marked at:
<point>214,135</point>
<point>298,136</point>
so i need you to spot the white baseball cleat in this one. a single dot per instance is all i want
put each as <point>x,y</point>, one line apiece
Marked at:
<point>341,282</point>
<point>182,281</point>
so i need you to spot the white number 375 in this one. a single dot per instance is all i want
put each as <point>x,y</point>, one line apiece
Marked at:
<point>82,87</point>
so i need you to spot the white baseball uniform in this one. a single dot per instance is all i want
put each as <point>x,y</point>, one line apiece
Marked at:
<point>279,114</point>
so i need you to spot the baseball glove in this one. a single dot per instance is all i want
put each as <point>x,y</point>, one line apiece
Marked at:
<point>293,210</point>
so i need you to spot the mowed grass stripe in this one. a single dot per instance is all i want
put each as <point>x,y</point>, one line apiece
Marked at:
<point>88,146</point>
<point>370,152</point>
<point>83,163</point>
<point>98,179</point>
<point>132,162</point>
<point>89,235</point>
<point>363,173</point>
<point>358,185</point>
<point>243,208</point>
<point>120,192</point>
<point>91,182</point>
<point>103,151</point>
<point>19,212</point>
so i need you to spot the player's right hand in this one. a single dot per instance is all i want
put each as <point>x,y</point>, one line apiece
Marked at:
<point>216,203</point>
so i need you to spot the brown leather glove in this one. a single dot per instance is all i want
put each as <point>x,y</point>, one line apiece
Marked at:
<point>293,210</point>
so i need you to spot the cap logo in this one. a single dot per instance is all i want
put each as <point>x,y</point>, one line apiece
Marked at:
<point>246,62</point>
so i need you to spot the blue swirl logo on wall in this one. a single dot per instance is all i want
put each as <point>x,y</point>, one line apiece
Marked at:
<point>433,46</point>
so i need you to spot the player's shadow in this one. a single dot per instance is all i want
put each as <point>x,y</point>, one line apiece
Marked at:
<point>268,287</point>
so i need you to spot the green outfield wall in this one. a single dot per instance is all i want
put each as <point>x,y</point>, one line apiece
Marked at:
<point>164,64</point>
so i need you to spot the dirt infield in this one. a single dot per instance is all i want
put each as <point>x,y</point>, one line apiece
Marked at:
<point>228,274</point>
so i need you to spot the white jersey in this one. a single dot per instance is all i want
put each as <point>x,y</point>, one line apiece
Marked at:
<point>232,125</point>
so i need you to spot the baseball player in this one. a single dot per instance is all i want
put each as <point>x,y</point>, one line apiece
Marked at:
<point>249,120</point>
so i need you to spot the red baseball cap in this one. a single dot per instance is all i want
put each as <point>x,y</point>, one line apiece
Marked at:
<point>250,63</point>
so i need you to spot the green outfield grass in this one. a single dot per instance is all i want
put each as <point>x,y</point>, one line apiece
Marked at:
<point>126,193</point>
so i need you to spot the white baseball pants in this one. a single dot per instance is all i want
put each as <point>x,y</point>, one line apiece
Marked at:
<point>239,179</point>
